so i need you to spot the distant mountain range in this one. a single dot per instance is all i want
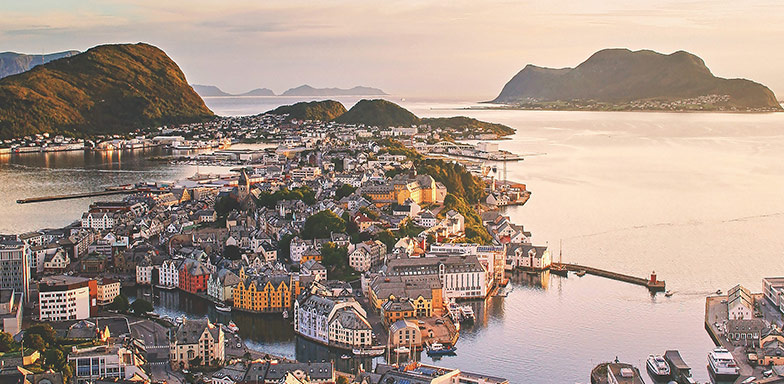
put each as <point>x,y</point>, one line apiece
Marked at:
<point>12,63</point>
<point>620,78</point>
<point>107,89</point>
<point>303,90</point>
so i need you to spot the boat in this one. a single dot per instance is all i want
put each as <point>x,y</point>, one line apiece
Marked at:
<point>467,313</point>
<point>179,320</point>
<point>679,370</point>
<point>368,352</point>
<point>345,357</point>
<point>402,350</point>
<point>232,327</point>
<point>580,273</point>
<point>722,365</point>
<point>658,367</point>
<point>559,270</point>
<point>285,314</point>
<point>749,380</point>
<point>718,291</point>
<point>438,349</point>
<point>222,307</point>
<point>669,293</point>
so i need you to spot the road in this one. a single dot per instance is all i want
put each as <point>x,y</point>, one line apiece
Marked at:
<point>156,341</point>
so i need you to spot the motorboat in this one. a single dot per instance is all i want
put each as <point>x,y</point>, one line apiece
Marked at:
<point>179,319</point>
<point>285,314</point>
<point>669,293</point>
<point>718,291</point>
<point>368,352</point>
<point>402,350</point>
<point>222,307</point>
<point>232,327</point>
<point>722,365</point>
<point>438,349</point>
<point>345,357</point>
<point>658,367</point>
<point>580,273</point>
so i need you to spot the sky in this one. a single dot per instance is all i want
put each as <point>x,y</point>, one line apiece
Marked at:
<point>441,49</point>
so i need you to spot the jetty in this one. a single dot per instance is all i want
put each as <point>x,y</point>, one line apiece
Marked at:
<point>76,196</point>
<point>653,284</point>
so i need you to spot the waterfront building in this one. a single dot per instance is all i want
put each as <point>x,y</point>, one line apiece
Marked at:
<point>144,272</point>
<point>421,189</point>
<point>63,298</point>
<point>740,304</point>
<point>196,339</point>
<point>193,276</point>
<point>331,320</point>
<point>169,274</point>
<point>773,290</point>
<point>367,254</point>
<point>109,362</point>
<point>528,257</point>
<point>107,290</point>
<point>461,277</point>
<point>424,292</point>
<point>221,285</point>
<point>405,333</point>
<point>15,267</point>
<point>100,220</point>
<point>264,293</point>
<point>419,373</point>
<point>10,311</point>
<point>745,332</point>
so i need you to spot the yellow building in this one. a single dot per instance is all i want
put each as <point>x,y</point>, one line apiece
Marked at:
<point>264,293</point>
<point>424,293</point>
<point>422,189</point>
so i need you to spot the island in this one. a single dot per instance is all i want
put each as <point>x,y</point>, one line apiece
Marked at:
<point>307,90</point>
<point>623,80</point>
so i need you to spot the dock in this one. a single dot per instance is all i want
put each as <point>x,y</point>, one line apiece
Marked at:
<point>76,196</point>
<point>652,283</point>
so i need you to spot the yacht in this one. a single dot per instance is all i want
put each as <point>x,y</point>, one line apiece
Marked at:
<point>722,365</point>
<point>232,327</point>
<point>402,350</point>
<point>222,307</point>
<point>467,313</point>
<point>658,367</point>
<point>438,349</point>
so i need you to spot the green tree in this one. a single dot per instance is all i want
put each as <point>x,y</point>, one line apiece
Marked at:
<point>334,256</point>
<point>322,224</point>
<point>344,190</point>
<point>226,204</point>
<point>45,331</point>
<point>35,341</point>
<point>140,307</point>
<point>6,342</point>
<point>341,380</point>
<point>54,359</point>
<point>120,303</point>
<point>284,246</point>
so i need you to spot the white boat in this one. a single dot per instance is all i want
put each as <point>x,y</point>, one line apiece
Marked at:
<point>285,314</point>
<point>722,365</point>
<point>402,350</point>
<point>345,357</point>
<point>368,352</point>
<point>748,380</point>
<point>467,313</point>
<point>669,293</point>
<point>222,307</point>
<point>232,327</point>
<point>658,367</point>
<point>179,319</point>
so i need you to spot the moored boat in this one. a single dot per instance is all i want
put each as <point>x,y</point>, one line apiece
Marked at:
<point>232,327</point>
<point>658,367</point>
<point>722,365</point>
<point>438,349</point>
<point>402,350</point>
<point>368,351</point>
<point>222,307</point>
<point>580,273</point>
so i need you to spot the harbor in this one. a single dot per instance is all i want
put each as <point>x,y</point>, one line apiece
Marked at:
<point>652,283</point>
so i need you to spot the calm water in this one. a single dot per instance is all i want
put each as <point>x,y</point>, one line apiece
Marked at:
<point>695,197</point>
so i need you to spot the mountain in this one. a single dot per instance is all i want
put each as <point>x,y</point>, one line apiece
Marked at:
<point>378,112</point>
<point>108,89</point>
<point>258,92</point>
<point>211,90</point>
<point>12,63</point>
<point>208,90</point>
<point>315,110</point>
<point>621,76</point>
<point>307,90</point>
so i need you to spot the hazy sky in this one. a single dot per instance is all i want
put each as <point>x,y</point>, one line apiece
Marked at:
<point>427,48</point>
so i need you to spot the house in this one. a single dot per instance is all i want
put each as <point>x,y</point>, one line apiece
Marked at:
<point>169,274</point>
<point>367,254</point>
<point>397,309</point>
<point>528,257</point>
<point>426,219</point>
<point>93,264</point>
<point>773,290</point>
<point>264,293</point>
<point>740,304</point>
<point>314,268</point>
<point>461,276</point>
<point>56,262</point>
<point>405,333</point>
<point>329,320</point>
<point>193,276</point>
<point>107,362</point>
<point>221,285</point>
<point>196,342</point>
<point>107,290</point>
<point>455,223</point>
<point>144,272</point>
<point>423,292</point>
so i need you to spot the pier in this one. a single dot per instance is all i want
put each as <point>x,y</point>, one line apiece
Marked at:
<point>653,284</point>
<point>76,196</point>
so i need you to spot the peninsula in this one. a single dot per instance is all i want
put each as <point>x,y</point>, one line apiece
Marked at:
<point>621,79</point>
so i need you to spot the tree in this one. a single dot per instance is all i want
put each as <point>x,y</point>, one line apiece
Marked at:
<point>232,252</point>
<point>226,204</point>
<point>284,246</point>
<point>140,307</point>
<point>54,359</point>
<point>322,224</point>
<point>332,255</point>
<point>35,341</point>
<point>45,331</point>
<point>344,190</point>
<point>195,362</point>
<point>6,342</point>
<point>120,303</point>
<point>341,380</point>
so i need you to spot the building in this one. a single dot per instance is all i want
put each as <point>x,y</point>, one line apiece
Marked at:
<point>10,311</point>
<point>424,293</point>
<point>113,361</point>
<point>331,320</point>
<point>264,293</point>
<point>15,267</point>
<point>196,339</point>
<point>144,272</point>
<point>313,267</point>
<point>56,262</point>
<point>429,374</point>
<point>63,298</point>
<point>461,276</point>
<point>421,189</point>
<point>169,274</point>
<point>773,290</point>
<point>266,372</point>
<point>193,276</point>
<point>405,333</point>
<point>221,285</point>
<point>740,304</point>
<point>367,254</point>
<point>107,290</point>
<point>399,309</point>
<point>98,220</point>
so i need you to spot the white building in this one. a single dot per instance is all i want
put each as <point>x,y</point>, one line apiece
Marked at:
<point>144,273</point>
<point>740,304</point>
<point>367,254</point>
<point>331,320</point>
<point>306,172</point>
<point>108,289</point>
<point>112,361</point>
<point>220,285</point>
<point>196,338</point>
<point>64,298</point>
<point>349,327</point>
<point>529,257</point>
<point>297,248</point>
<point>169,274</point>
<point>773,289</point>
<point>461,276</point>
<point>98,220</point>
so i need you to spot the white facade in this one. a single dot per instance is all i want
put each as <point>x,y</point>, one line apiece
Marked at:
<point>107,291</point>
<point>306,173</point>
<point>359,259</point>
<point>297,248</point>
<point>168,274</point>
<point>98,220</point>
<point>144,274</point>
<point>64,302</point>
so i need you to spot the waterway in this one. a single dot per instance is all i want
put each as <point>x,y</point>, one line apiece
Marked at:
<point>695,197</point>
